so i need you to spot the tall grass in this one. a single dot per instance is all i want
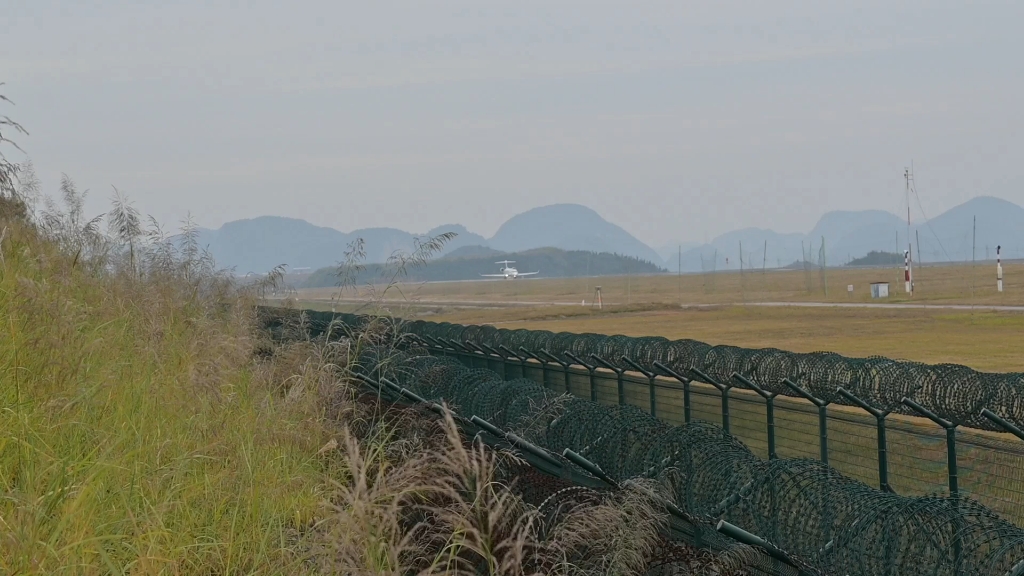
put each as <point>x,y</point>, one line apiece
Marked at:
<point>147,427</point>
<point>137,433</point>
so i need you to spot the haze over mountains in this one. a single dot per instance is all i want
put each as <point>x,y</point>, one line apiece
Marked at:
<point>259,244</point>
<point>948,237</point>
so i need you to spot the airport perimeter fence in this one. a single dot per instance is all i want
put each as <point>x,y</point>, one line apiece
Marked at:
<point>819,520</point>
<point>561,484</point>
<point>906,427</point>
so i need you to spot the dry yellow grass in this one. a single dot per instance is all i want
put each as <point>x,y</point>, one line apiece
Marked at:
<point>982,339</point>
<point>945,284</point>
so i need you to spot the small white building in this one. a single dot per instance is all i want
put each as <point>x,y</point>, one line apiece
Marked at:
<point>879,289</point>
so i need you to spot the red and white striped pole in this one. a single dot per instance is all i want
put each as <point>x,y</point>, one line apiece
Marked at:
<point>999,270</point>
<point>906,269</point>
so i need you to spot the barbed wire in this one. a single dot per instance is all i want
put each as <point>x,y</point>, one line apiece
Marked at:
<point>800,505</point>
<point>954,392</point>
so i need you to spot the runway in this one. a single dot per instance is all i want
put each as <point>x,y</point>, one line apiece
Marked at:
<point>536,303</point>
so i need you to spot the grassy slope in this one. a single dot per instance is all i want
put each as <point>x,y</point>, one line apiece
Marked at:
<point>136,433</point>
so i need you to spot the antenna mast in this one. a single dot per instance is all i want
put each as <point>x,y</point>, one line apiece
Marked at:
<point>908,274</point>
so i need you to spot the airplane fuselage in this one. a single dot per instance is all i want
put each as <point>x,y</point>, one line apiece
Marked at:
<point>507,272</point>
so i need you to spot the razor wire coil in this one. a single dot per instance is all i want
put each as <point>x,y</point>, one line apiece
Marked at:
<point>954,392</point>
<point>801,505</point>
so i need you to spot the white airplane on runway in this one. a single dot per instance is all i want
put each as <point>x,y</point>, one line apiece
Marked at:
<point>508,272</point>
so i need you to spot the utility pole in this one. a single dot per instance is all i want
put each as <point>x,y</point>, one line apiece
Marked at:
<point>629,293</point>
<point>764,260</point>
<point>824,276</point>
<point>803,265</point>
<point>974,240</point>
<point>743,294</point>
<point>974,247</point>
<point>909,246</point>
<point>920,257</point>
<point>897,248</point>
<point>587,275</point>
<point>679,275</point>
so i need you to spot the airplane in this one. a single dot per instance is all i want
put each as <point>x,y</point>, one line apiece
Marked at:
<point>507,272</point>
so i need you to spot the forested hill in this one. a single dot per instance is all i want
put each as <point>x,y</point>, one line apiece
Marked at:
<point>878,258</point>
<point>467,264</point>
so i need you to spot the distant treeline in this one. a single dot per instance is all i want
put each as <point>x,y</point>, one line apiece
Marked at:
<point>875,258</point>
<point>551,262</point>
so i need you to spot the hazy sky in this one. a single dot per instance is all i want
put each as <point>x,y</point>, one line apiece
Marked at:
<point>676,120</point>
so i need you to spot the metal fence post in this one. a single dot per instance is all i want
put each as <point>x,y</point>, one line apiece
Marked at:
<point>543,366</point>
<point>504,361</point>
<point>590,370</point>
<point>459,350</point>
<point>618,373</point>
<point>686,387</point>
<point>651,376</point>
<point>950,427</point>
<point>450,346</point>
<point>769,403</point>
<point>483,353</point>
<point>473,355</point>
<point>723,388</point>
<point>1003,423</point>
<point>522,361</point>
<point>883,458</point>
<point>951,460</point>
<point>488,361</point>
<point>563,364</point>
<point>436,343</point>
<point>822,415</point>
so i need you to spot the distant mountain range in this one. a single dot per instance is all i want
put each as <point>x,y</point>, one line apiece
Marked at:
<point>847,235</point>
<point>259,244</point>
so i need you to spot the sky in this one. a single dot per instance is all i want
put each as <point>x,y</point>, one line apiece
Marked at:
<point>677,120</point>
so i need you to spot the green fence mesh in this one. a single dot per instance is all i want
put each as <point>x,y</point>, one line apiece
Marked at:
<point>954,392</point>
<point>801,504</point>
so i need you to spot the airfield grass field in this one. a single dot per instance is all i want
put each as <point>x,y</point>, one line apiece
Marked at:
<point>934,284</point>
<point>723,309</point>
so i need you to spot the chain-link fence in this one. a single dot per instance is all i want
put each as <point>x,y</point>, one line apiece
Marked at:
<point>801,505</point>
<point>909,428</point>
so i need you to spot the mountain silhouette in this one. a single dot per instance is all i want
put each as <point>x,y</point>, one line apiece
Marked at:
<point>259,244</point>
<point>569,227</point>
<point>948,237</point>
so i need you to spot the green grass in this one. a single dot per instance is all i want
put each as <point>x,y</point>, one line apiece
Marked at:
<point>137,434</point>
